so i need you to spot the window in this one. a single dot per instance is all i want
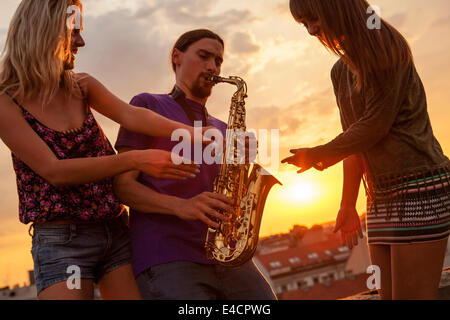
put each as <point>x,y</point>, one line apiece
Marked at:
<point>328,252</point>
<point>349,275</point>
<point>313,255</point>
<point>294,260</point>
<point>343,249</point>
<point>327,279</point>
<point>292,286</point>
<point>302,284</point>
<point>275,264</point>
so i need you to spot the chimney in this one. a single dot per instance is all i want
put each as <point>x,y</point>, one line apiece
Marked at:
<point>31,277</point>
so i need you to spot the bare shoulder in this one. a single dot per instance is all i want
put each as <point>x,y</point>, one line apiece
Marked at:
<point>8,108</point>
<point>83,80</point>
<point>82,76</point>
<point>11,116</point>
<point>4,99</point>
<point>87,82</point>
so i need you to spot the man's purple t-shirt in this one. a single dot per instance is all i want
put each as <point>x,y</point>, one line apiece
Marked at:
<point>161,238</point>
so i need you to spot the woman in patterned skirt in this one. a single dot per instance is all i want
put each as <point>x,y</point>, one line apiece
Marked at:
<point>387,142</point>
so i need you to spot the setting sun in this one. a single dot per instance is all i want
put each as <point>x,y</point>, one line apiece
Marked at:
<point>303,191</point>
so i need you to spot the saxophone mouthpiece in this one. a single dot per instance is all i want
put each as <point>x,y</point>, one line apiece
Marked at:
<point>214,79</point>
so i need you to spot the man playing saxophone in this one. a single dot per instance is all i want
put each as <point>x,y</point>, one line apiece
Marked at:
<point>169,219</point>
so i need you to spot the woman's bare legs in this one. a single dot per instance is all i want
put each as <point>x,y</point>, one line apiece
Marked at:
<point>119,284</point>
<point>60,291</point>
<point>380,255</point>
<point>417,269</point>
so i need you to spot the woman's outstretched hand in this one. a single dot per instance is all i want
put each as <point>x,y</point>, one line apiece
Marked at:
<point>349,224</point>
<point>300,159</point>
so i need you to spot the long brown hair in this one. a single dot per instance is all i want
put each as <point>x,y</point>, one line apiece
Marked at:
<point>38,43</point>
<point>376,56</point>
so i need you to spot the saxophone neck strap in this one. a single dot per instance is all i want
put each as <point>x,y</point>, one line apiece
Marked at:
<point>180,97</point>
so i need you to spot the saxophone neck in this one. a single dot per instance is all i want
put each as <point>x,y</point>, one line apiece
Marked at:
<point>237,81</point>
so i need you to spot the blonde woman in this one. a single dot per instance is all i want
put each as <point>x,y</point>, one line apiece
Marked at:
<point>388,141</point>
<point>64,163</point>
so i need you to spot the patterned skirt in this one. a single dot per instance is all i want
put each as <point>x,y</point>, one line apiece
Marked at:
<point>416,210</point>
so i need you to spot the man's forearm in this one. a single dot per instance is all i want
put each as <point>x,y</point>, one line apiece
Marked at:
<point>143,199</point>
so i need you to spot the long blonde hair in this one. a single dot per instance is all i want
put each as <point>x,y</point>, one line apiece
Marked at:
<point>37,45</point>
<point>377,56</point>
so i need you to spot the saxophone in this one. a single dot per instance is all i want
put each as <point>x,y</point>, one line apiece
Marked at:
<point>234,242</point>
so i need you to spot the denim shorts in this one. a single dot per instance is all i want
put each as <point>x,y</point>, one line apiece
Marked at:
<point>92,249</point>
<point>184,280</point>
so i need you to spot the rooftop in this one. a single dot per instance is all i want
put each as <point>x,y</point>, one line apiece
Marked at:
<point>312,248</point>
<point>338,289</point>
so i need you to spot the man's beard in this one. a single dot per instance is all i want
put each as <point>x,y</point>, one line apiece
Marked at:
<point>201,91</point>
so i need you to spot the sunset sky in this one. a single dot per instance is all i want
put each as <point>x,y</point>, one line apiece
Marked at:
<point>288,77</point>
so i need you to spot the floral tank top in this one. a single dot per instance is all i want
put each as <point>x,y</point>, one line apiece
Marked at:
<point>39,201</point>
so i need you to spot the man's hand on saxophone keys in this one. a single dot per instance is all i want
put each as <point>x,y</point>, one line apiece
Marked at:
<point>204,206</point>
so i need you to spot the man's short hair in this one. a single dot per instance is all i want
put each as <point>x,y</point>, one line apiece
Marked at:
<point>187,39</point>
